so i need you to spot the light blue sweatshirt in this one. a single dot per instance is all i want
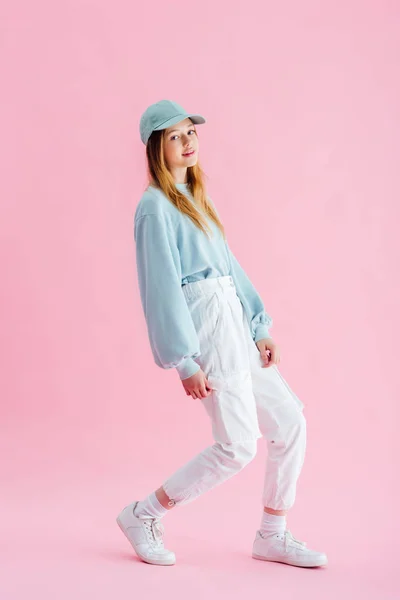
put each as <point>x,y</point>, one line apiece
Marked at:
<point>172,251</point>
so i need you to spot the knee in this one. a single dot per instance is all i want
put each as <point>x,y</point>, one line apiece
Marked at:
<point>296,431</point>
<point>290,432</point>
<point>237,454</point>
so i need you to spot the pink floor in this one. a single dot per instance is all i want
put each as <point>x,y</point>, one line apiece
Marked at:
<point>60,540</point>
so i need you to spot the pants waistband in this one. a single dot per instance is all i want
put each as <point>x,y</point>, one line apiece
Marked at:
<point>208,286</point>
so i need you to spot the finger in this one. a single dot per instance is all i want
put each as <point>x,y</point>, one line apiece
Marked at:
<point>266,357</point>
<point>208,386</point>
<point>203,392</point>
<point>270,361</point>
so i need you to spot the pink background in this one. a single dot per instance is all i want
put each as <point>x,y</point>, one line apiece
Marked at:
<point>301,147</point>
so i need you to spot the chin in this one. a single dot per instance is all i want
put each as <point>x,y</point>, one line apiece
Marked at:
<point>191,162</point>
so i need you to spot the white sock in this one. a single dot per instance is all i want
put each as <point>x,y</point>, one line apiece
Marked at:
<point>150,507</point>
<point>273,523</point>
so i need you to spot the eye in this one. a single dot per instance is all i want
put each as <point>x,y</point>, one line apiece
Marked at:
<point>176,135</point>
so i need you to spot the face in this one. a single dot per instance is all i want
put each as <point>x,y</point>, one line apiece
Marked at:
<point>180,139</point>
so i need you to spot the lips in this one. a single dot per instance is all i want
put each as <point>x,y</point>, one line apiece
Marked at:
<point>189,153</point>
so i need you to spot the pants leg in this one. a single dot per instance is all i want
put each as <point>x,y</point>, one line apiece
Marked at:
<point>215,464</point>
<point>247,402</point>
<point>216,312</point>
<point>283,426</point>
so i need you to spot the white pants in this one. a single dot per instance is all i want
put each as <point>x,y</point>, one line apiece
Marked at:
<point>247,402</point>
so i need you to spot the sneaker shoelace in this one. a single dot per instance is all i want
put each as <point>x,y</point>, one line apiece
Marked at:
<point>290,540</point>
<point>155,531</point>
<point>288,537</point>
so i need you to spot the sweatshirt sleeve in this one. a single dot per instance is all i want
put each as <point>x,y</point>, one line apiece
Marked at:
<point>172,335</point>
<point>259,320</point>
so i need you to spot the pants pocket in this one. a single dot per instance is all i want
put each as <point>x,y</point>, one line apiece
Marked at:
<point>231,407</point>
<point>205,312</point>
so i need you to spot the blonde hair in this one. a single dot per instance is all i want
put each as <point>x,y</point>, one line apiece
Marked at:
<point>161,178</point>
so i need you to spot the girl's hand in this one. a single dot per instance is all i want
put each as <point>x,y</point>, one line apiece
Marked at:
<point>197,385</point>
<point>269,352</point>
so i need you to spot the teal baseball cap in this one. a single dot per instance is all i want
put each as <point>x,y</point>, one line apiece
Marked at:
<point>162,115</point>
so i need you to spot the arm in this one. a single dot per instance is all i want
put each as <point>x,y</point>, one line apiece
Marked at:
<point>172,335</point>
<point>259,320</point>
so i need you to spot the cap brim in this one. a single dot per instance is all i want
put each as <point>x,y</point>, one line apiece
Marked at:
<point>197,120</point>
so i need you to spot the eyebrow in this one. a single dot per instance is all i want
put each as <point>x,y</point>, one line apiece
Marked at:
<point>172,130</point>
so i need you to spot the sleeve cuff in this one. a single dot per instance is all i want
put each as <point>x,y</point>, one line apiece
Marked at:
<point>262,332</point>
<point>187,368</point>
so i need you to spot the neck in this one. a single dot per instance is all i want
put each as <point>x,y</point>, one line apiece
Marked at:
<point>179,174</point>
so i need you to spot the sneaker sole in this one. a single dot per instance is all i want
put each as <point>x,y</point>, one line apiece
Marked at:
<point>320,563</point>
<point>163,563</point>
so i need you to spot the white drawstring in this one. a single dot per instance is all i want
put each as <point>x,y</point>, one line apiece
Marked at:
<point>155,531</point>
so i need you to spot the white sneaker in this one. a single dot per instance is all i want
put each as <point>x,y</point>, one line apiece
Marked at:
<point>285,548</point>
<point>146,537</point>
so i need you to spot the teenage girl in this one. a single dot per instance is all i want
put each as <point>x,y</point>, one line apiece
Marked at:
<point>205,319</point>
